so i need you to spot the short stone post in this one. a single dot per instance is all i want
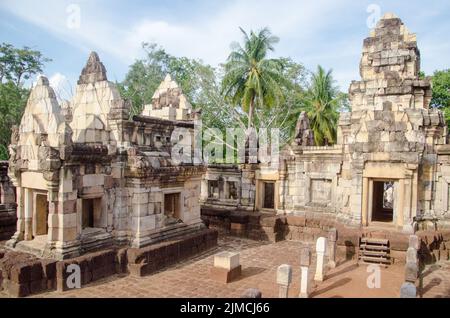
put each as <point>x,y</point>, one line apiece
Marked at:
<point>305,261</point>
<point>226,267</point>
<point>414,242</point>
<point>252,293</point>
<point>284,279</point>
<point>320,252</point>
<point>408,290</point>
<point>412,265</point>
<point>332,242</point>
<point>411,256</point>
<point>411,272</point>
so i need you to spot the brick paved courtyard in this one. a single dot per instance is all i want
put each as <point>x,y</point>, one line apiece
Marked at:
<point>259,263</point>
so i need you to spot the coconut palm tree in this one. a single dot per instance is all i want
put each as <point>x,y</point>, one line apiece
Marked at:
<point>251,79</point>
<point>322,102</point>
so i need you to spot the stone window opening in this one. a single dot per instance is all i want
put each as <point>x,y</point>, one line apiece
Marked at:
<point>213,189</point>
<point>232,192</point>
<point>383,201</point>
<point>172,208</point>
<point>91,214</point>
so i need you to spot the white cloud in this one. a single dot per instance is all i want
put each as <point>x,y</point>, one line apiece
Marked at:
<point>61,86</point>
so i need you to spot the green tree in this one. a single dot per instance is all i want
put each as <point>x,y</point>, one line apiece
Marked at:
<point>441,92</point>
<point>13,99</point>
<point>145,75</point>
<point>285,114</point>
<point>252,80</point>
<point>323,102</point>
<point>16,66</point>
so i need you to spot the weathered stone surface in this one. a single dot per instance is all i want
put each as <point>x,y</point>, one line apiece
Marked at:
<point>226,260</point>
<point>94,71</point>
<point>305,257</point>
<point>284,275</point>
<point>411,272</point>
<point>252,293</point>
<point>408,290</point>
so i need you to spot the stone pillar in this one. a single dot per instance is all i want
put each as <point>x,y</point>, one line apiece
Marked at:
<point>366,195</point>
<point>204,190</point>
<point>320,251</point>
<point>28,212</point>
<point>400,204</point>
<point>332,244</point>
<point>226,190</point>
<point>20,229</point>
<point>221,188</point>
<point>284,278</point>
<point>305,261</point>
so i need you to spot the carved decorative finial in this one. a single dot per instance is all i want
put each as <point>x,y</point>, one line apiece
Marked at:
<point>94,71</point>
<point>168,78</point>
<point>304,135</point>
<point>42,81</point>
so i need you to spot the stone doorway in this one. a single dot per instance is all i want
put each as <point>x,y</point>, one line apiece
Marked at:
<point>383,201</point>
<point>41,215</point>
<point>269,195</point>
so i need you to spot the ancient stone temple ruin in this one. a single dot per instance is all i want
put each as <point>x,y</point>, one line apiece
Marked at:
<point>389,168</point>
<point>7,204</point>
<point>111,193</point>
<point>389,140</point>
<point>89,177</point>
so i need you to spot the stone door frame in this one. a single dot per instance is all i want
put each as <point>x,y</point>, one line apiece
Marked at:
<point>181,209</point>
<point>406,191</point>
<point>260,178</point>
<point>371,203</point>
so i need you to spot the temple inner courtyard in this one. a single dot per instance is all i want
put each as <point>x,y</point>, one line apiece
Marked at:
<point>98,200</point>
<point>260,260</point>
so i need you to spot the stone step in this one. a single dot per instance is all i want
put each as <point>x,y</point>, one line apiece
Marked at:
<point>374,247</point>
<point>373,253</point>
<point>379,260</point>
<point>371,240</point>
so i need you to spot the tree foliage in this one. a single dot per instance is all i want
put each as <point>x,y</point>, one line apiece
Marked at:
<point>252,80</point>
<point>16,66</point>
<point>145,75</point>
<point>323,103</point>
<point>441,92</point>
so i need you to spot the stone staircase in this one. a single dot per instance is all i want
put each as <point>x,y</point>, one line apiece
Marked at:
<point>374,251</point>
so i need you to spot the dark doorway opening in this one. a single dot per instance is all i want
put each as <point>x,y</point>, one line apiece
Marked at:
<point>269,193</point>
<point>383,201</point>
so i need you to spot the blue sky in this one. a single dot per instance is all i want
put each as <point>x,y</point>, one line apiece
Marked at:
<point>323,32</point>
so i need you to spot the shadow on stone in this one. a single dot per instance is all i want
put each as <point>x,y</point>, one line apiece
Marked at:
<point>342,271</point>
